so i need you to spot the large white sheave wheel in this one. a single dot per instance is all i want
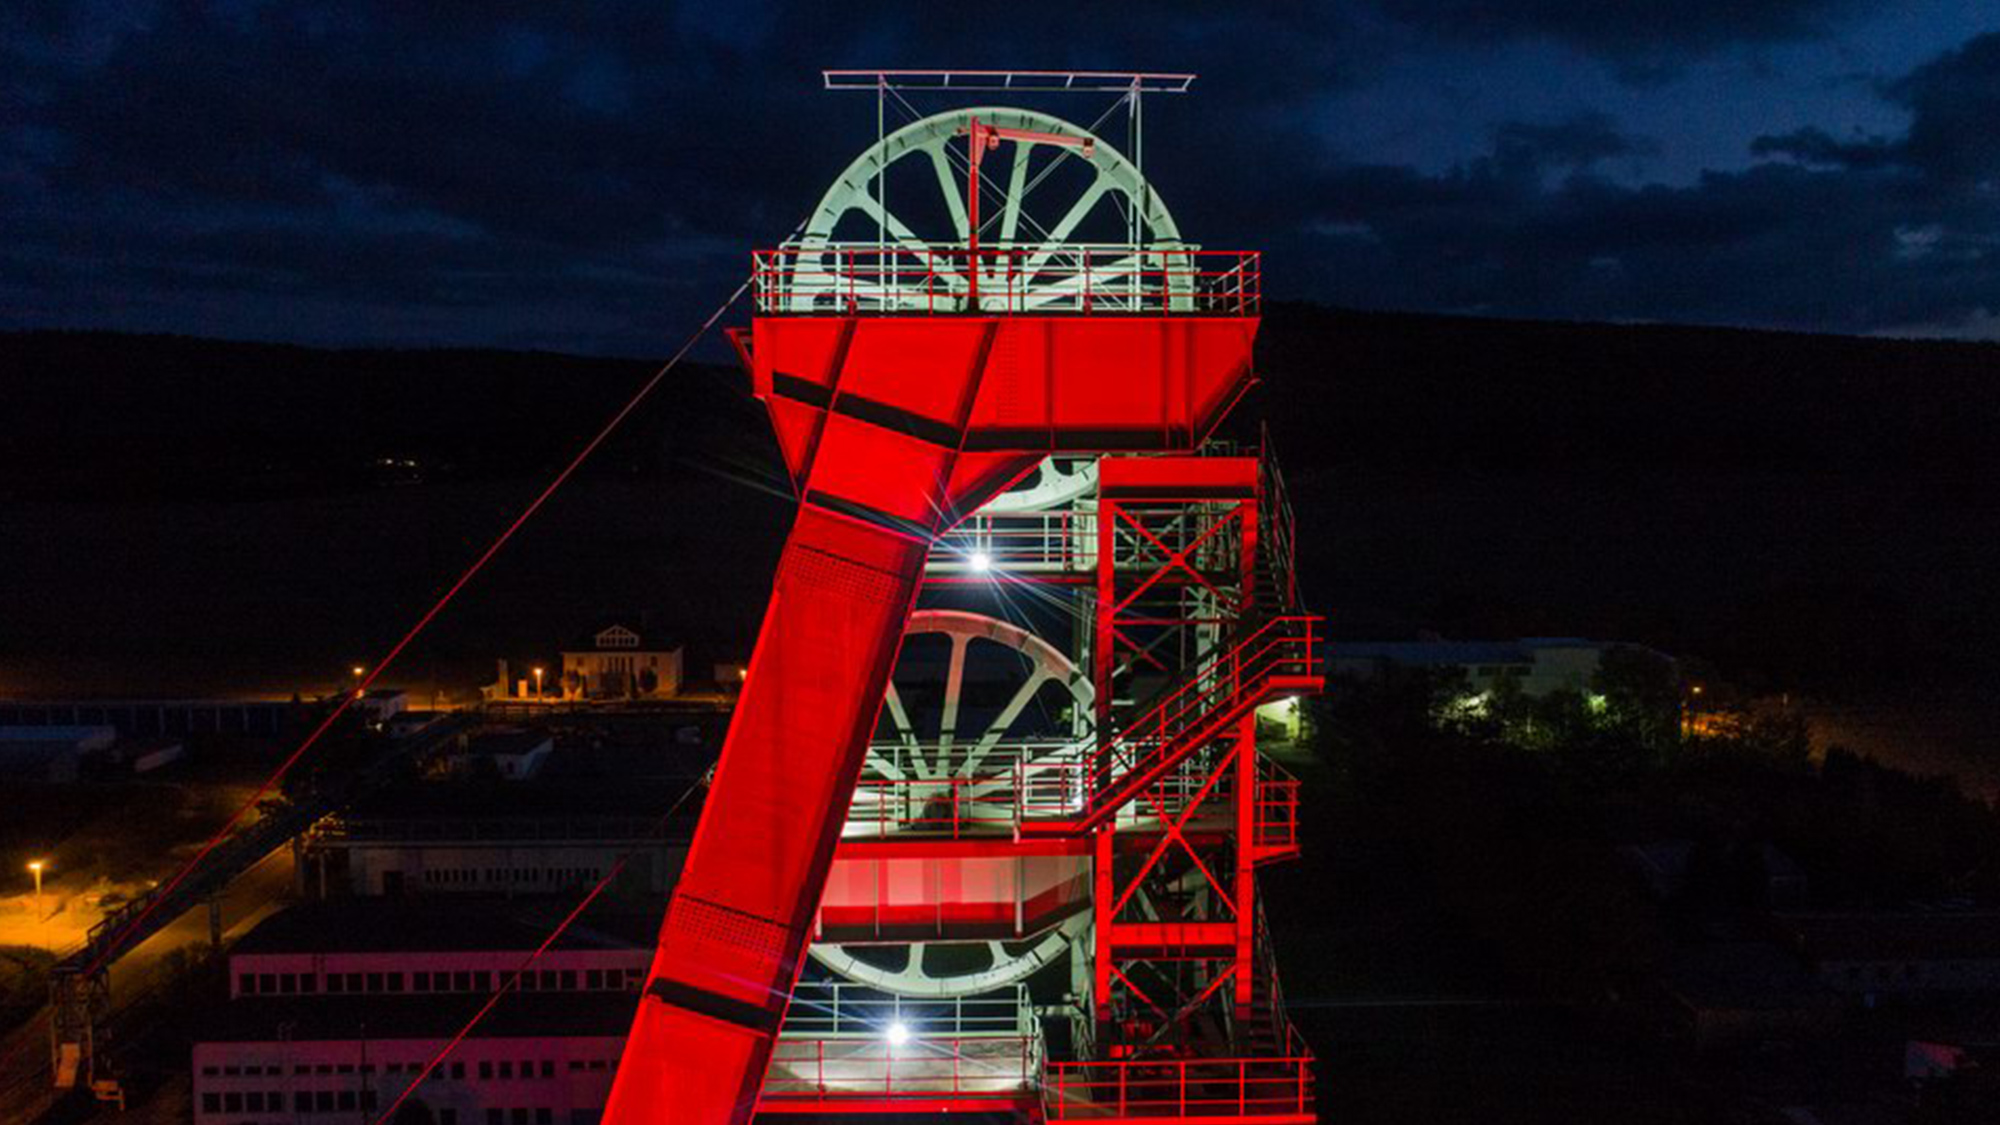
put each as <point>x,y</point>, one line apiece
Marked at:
<point>1043,232</point>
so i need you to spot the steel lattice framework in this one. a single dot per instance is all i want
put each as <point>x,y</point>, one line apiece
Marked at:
<point>994,772</point>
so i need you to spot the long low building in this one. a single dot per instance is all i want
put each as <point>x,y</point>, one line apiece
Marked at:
<point>451,839</point>
<point>334,1010</point>
<point>159,717</point>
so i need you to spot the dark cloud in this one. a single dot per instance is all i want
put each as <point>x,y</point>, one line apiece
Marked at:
<point>1953,100</point>
<point>1871,234</point>
<point>1955,103</point>
<point>1577,142</point>
<point>1647,39</point>
<point>590,178</point>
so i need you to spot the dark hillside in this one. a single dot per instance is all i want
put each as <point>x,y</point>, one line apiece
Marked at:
<point>1806,512</point>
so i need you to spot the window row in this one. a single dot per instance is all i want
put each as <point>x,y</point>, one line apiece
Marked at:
<point>541,1115</point>
<point>461,980</point>
<point>303,1101</point>
<point>511,876</point>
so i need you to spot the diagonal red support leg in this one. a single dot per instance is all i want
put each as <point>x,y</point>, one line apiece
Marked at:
<point>892,429</point>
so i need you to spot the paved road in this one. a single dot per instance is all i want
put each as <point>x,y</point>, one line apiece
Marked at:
<point>24,1050</point>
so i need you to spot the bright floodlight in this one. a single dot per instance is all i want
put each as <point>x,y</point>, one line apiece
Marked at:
<point>898,1034</point>
<point>981,561</point>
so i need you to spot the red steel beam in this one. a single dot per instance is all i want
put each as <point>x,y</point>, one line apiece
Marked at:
<point>892,428</point>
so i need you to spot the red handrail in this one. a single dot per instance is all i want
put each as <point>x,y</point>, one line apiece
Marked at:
<point>1279,1088</point>
<point>850,278</point>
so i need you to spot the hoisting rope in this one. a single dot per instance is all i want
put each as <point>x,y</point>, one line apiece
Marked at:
<point>116,941</point>
<point>528,962</point>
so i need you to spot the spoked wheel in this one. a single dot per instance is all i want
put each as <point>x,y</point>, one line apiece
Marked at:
<point>948,968</point>
<point>1057,482</point>
<point>1059,230</point>
<point>972,698</point>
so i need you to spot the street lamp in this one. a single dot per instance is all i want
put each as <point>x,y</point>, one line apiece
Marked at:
<point>36,865</point>
<point>538,681</point>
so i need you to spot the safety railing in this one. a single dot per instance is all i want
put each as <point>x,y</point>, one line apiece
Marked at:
<point>843,1041</point>
<point>928,1068</point>
<point>1063,541</point>
<point>1283,651</point>
<point>911,278</point>
<point>843,1008</point>
<point>952,807</point>
<point>1277,814</point>
<point>1262,1089</point>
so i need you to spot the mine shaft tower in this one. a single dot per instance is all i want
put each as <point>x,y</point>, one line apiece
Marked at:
<point>986,827</point>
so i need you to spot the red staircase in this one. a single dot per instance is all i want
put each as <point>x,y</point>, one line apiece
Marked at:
<point>1276,659</point>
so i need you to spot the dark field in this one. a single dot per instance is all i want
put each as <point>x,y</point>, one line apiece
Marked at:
<point>1808,516</point>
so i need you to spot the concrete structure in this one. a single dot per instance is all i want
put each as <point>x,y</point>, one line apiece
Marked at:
<point>380,705</point>
<point>50,754</point>
<point>1729,995</point>
<point>1875,956</point>
<point>453,839</point>
<point>513,755</point>
<point>162,717</point>
<point>1536,665</point>
<point>403,724</point>
<point>334,1009</point>
<point>622,660</point>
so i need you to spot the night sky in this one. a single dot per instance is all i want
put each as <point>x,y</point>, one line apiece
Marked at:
<point>521,175</point>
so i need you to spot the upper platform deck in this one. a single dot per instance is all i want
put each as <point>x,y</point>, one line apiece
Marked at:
<point>917,279</point>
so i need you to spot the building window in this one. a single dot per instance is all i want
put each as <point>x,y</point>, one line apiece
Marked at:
<point>288,983</point>
<point>495,1116</point>
<point>458,1070</point>
<point>421,983</point>
<point>374,982</point>
<point>308,983</point>
<point>336,983</point>
<point>545,1116</point>
<point>347,1099</point>
<point>518,1116</point>
<point>302,1101</point>
<point>548,1068</point>
<point>232,1102</point>
<point>211,1103</point>
<point>506,1068</point>
<point>485,1068</point>
<point>246,984</point>
<point>267,982</point>
<point>447,1116</point>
